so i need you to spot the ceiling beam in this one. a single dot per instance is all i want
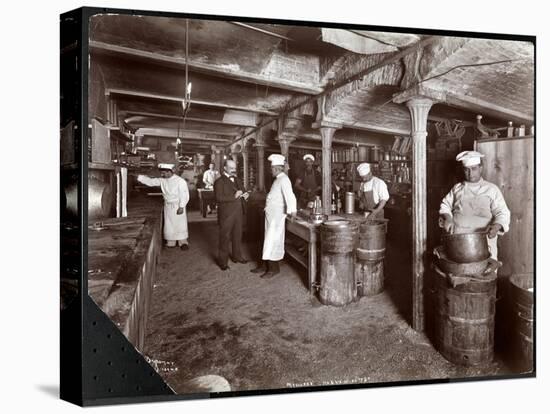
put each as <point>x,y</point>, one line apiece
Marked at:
<point>393,58</point>
<point>165,116</point>
<point>143,94</point>
<point>363,126</point>
<point>266,32</point>
<point>487,108</point>
<point>185,135</point>
<point>469,103</point>
<point>199,67</point>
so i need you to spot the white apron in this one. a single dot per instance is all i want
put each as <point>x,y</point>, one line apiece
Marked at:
<point>175,226</point>
<point>280,199</point>
<point>175,194</point>
<point>473,213</point>
<point>274,239</point>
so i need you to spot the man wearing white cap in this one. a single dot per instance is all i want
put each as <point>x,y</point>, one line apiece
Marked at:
<point>309,183</point>
<point>209,178</point>
<point>176,195</point>
<point>373,192</point>
<point>280,202</point>
<point>475,204</point>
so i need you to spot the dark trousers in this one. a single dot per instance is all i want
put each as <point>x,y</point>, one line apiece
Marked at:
<point>231,231</point>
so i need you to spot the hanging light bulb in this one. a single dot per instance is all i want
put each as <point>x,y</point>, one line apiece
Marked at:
<point>187,99</point>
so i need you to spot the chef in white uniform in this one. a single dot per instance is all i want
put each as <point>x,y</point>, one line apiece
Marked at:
<point>209,178</point>
<point>176,195</point>
<point>280,202</point>
<point>373,192</point>
<point>475,204</point>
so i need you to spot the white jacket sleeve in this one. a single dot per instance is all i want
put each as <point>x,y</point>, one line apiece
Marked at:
<point>205,178</point>
<point>499,209</point>
<point>148,181</point>
<point>446,206</point>
<point>183,192</point>
<point>288,195</point>
<point>383,193</point>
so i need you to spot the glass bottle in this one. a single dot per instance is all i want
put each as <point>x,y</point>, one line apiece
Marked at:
<point>510,129</point>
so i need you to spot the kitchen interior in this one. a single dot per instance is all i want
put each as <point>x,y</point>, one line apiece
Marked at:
<point>194,92</point>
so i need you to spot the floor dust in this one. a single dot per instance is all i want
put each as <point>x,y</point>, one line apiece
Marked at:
<point>268,334</point>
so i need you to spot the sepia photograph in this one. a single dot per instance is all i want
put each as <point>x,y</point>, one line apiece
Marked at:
<point>280,206</point>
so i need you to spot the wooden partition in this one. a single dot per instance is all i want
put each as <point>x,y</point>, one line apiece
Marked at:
<point>510,164</point>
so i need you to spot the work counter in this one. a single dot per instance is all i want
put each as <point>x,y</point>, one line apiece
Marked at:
<point>122,259</point>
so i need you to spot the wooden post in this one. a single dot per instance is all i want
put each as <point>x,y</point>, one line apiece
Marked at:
<point>284,142</point>
<point>245,167</point>
<point>110,110</point>
<point>327,133</point>
<point>217,158</point>
<point>261,169</point>
<point>114,119</point>
<point>418,108</point>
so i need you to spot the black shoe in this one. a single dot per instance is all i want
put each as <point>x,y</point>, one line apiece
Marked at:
<point>272,269</point>
<point>269,274</point>
<point>259,269</point>
<point>184,247</point>
<point>224,267</point>
<point>238,260</point>
<point>273,266</point>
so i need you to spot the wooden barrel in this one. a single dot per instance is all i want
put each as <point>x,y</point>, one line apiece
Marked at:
<point>338,236</point>
<point>371,276</point>
<point>465,318</point>
<point>372,240</point>
<point>521,294</point>
<point>338,242</point>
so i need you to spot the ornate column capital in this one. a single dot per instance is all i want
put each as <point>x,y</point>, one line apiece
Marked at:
<point>419,107</point>
<point>284,142</point>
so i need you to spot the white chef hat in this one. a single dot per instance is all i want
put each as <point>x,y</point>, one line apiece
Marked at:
<point>276,159</point>
<point>309,156</point>
<point>164,166</point>
<point>469,158</point>
<point>363,168</point>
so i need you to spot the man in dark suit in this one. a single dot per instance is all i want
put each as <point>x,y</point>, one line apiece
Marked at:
<point>230,195</point>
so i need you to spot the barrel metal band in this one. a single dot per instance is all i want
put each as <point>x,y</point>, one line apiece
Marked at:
<point>371,251</point>
<point>471,321</point>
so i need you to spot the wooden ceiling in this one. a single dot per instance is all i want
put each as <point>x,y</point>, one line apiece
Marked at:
<point>244,75</point>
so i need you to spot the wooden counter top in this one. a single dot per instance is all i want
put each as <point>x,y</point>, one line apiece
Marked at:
<point>122,258</point>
